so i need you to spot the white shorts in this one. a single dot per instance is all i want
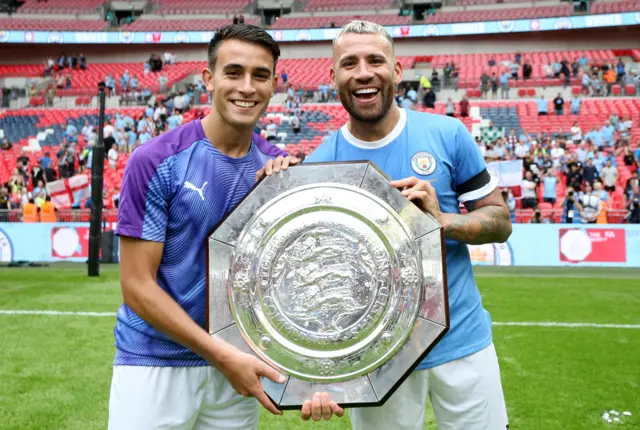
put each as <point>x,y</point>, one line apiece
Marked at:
<point>177,398</point>
<point>466,394</point>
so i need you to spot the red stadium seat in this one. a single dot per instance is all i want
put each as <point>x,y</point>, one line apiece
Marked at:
<point>615,90</point>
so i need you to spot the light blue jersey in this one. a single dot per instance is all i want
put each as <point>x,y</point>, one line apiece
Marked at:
<point>176,188</point>
<point>439,149</point>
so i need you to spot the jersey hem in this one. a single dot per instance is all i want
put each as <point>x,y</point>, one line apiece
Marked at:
<point>456,355</point>
<point>157,362</point>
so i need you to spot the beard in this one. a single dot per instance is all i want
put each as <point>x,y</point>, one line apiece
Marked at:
<point>375,115</point>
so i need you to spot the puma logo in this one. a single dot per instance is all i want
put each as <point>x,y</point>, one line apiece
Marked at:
<point>188,185</point>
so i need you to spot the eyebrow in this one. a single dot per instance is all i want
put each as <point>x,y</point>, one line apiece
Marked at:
<point>240,66</point>
<point>368,56</point>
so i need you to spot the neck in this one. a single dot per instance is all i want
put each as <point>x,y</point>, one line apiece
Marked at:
<point>371,132</point>
<point>232,142</point>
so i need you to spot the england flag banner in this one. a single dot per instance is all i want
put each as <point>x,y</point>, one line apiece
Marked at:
<point>66,192</point>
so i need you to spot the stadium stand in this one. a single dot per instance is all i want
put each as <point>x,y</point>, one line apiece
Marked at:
<point>180,24</point>
<point>338,21</point>
<point>327,5</point>
<point>197,7</point>
<point>602,7</point>
<point>60,6</point>
<point>44,24</point>
<point>498,14</point>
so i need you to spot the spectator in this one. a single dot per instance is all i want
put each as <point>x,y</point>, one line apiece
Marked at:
<point>542,105</point>
<point>587,83</point>
<point>550,181</point>
<point>590,172</point>
<point>575,104</point>
<point>556,153</point>
<point>450,108</point>
<point>590,203</point>
<point>484,84</point>
<point>464,107</point>
<point>558,104</point>
<point>595,136</point>
<point>633,181</point>
<point>521,150</point>
<point>633,205</point>
<point>609,176</point>
<point>112,155</point>
<point>571,208</point>
<point>513,67</point>
<point>39,193</point>
<point>526,70</point>
<point>175,120</point>
<point>529,197</point>
<point>608,133</point>
<point>430,99</point>
<point>6,145</point>
<point>272,131</point>
<point>537,218</point>
<point>5,204</point>
<point>493,82</point>
<point>504,85</point>
<point>602,194</point>
<point>295,123</point>
<point>511,203</point>
<point>163,80</point>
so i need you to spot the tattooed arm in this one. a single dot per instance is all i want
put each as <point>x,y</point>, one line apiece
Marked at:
<point>488,221</point>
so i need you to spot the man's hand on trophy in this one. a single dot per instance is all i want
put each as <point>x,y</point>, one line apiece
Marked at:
<point>422,194</point>
<point>275,165</point>
<point>243,371</point>
<point>320,407</point>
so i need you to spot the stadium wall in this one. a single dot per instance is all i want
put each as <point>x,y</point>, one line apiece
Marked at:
<point>529,245</point>
<point>565,40</point>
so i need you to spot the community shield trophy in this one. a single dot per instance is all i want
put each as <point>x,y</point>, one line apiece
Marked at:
<point>331,276</point>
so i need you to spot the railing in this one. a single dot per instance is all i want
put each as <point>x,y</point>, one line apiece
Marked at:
<point>522,216</point>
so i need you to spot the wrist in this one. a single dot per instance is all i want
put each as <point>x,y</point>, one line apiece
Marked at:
<point>219,353</point>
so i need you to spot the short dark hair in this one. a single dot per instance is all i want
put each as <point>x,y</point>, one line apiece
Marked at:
<point>245,33</point>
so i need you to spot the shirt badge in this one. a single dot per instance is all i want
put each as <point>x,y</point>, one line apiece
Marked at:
<point>423,163</point>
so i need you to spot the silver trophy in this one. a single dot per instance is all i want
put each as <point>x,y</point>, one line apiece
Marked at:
<point>331,276</point>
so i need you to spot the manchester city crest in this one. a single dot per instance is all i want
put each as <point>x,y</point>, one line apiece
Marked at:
<point>55,37</point>
<point>506,26</point>
<point>126,36</point>
<point>423,163</point>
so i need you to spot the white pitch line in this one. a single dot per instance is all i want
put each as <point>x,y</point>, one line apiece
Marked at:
<point>495,323</point>
<point>58,313</point>
<point>564,324</point>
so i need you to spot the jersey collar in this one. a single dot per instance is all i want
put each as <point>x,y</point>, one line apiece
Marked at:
<point>402,121</point>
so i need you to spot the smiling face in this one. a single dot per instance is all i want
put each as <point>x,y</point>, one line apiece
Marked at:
<point>365,73</point>
<point>242,82</point>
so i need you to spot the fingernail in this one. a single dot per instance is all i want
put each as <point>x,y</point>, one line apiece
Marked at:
<point>281,379</point>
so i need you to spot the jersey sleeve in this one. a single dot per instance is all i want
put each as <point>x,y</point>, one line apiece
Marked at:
<point>144,199</point>
<point>472,180</point>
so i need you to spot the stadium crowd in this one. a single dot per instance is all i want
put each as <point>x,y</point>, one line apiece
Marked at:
<point>577,172</point>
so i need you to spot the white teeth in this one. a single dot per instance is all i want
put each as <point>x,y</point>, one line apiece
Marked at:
<point>367,91</point>
<point>244,104</point>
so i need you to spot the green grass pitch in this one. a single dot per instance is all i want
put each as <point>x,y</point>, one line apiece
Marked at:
<point>55,370</point>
